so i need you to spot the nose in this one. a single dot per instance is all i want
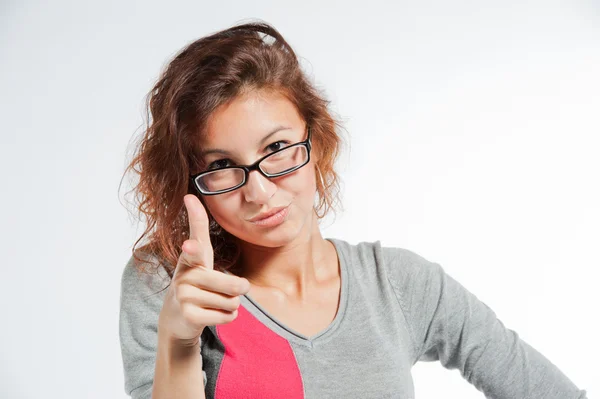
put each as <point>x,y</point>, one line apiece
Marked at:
<point>258,188</point>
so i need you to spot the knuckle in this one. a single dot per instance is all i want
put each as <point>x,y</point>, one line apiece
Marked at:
<point>177,291</point>
<point>183,293</point>
<point>188,311</point>
<point>236,286</point>
<point>181,297</point>
<point>183,262</point>
<point>231,316</point>
<point>235,301</point>
<point>230,304</point>
<point>228,317</point>
<point>189,244</point>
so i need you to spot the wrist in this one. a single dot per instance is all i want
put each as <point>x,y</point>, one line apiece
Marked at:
<point>172,341</point>
<point>178,349</point>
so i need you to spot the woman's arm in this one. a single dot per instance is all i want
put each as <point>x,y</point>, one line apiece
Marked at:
<point>178,370</point>
<point>450,324</point>
<point>145,349</point>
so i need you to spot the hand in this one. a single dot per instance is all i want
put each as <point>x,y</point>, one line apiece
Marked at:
<point>199,296</point>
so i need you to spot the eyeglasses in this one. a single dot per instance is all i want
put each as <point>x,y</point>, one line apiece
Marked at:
<point>275,164</point>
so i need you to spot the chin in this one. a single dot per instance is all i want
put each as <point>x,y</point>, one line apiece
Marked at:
<point>276,236</point>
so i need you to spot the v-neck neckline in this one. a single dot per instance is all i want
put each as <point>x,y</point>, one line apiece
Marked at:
<point>290,334</point>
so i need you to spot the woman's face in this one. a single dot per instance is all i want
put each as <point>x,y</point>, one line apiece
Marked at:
<point>240,128</point>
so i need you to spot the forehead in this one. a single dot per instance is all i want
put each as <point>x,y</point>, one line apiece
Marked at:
<point>248,117</point>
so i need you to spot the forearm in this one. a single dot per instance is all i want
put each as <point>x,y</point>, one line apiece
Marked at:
<point>178,370</point>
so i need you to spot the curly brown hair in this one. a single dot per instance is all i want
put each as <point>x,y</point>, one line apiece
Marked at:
<point>204,75</point>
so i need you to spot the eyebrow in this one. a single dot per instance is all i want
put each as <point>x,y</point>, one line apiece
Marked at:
<point>225,152</point>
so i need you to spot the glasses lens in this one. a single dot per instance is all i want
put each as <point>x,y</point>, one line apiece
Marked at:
<point>285,160</point>
<point>220,180</point>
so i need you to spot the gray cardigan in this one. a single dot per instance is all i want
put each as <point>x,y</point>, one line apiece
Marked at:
<point>396,308</point>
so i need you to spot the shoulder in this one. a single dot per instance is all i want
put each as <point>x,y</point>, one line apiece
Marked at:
<point>413,277</point>
<point>404,263</point>
<point>398,264</point>
<point>143,277</point>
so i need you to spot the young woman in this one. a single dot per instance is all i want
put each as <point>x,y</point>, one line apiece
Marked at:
<point>236,294</point>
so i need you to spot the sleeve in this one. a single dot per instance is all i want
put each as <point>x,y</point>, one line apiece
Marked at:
<point>450,324</point>
<point>140,305</point>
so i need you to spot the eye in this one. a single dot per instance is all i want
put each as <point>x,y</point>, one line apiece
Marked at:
<point>278,145</point>
<point>221,163</point>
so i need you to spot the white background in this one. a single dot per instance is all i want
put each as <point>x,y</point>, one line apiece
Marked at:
<point>474,141</point>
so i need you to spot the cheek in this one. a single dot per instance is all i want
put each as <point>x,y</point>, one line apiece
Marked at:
<point>303,188</point>
<point>301,184</point>
<point>220,208</point>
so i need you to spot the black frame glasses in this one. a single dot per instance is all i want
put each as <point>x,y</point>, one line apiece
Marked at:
<point>255,166</point>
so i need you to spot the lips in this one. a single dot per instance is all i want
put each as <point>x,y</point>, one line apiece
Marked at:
<point>266,214</point>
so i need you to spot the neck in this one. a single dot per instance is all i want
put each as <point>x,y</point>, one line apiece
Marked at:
<point>294,269</point>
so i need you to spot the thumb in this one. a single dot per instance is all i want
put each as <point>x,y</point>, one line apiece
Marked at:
<point>199,228</point>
